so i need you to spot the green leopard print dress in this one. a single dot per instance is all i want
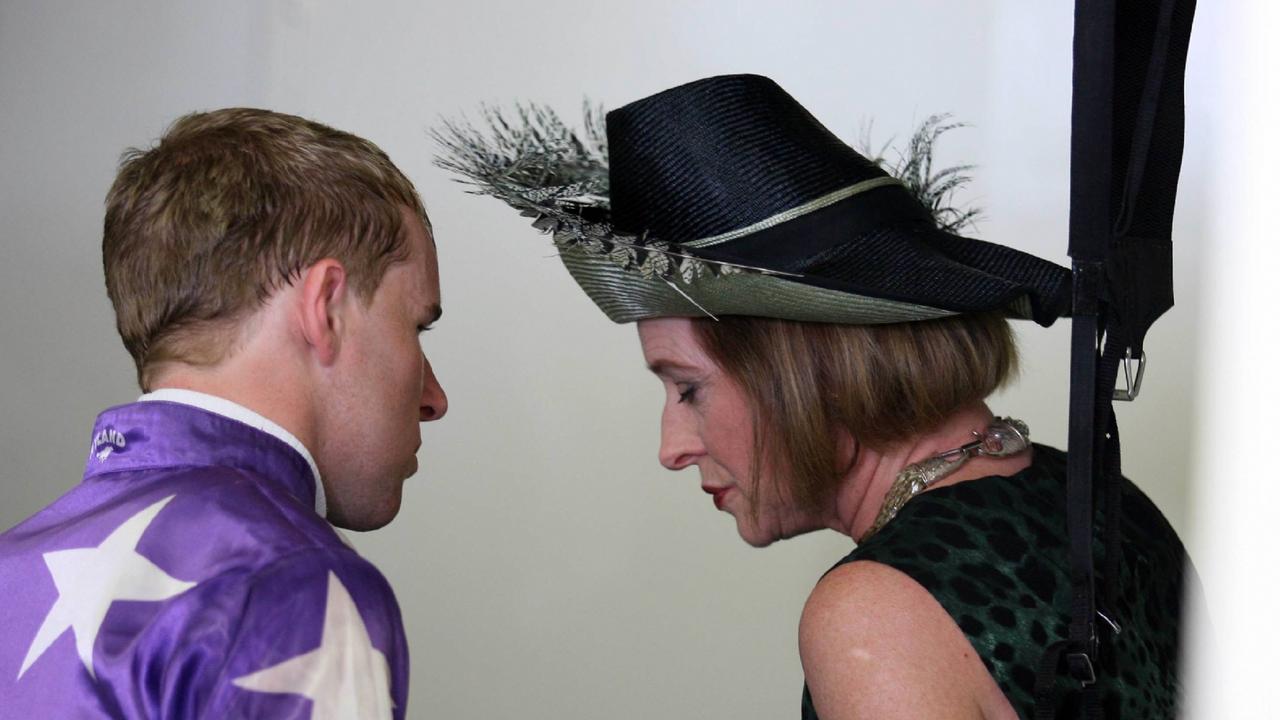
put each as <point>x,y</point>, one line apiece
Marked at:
<point>993,552</point>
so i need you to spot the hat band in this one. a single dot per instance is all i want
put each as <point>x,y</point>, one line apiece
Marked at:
<point>830,198</point>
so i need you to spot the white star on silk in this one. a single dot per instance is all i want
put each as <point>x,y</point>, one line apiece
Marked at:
<point>346,677</point>
<point>90,579</point>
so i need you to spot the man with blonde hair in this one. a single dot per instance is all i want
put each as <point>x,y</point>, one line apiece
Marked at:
<point>270,277</point>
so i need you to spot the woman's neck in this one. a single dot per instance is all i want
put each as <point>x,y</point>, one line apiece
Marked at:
<point>862,490</point>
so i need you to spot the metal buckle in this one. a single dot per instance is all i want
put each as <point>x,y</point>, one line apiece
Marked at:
<point>1115,627</point>
<point>1132,380</point>
<point>1081,668</point>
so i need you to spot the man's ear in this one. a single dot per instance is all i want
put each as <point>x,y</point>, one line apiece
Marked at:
<point>325,299</point>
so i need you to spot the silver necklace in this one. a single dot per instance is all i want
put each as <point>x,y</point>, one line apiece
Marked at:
<point>1002,438</point>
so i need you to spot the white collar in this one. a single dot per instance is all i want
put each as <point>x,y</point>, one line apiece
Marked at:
<point>240,413</point>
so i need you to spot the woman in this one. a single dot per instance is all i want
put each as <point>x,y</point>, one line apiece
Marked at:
<point>826,346</point>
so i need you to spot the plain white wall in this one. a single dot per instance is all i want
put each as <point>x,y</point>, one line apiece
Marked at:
<point>1235,496</point>
<point>547,566</point>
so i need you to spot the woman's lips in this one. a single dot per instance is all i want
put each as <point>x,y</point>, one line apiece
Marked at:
<point>717,495</point>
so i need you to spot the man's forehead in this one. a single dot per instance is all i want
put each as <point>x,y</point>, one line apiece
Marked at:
<point>426,271</point>
<point>430,261</point>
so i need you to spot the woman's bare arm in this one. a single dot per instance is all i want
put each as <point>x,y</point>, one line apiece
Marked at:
<point>875,644</point>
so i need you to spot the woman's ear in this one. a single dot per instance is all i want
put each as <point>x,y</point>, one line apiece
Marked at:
<point>324,303</point>
<point>846,450</point>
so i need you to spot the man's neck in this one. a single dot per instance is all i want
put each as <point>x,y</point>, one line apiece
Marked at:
<point>258,389</point>
<point>243,414</point>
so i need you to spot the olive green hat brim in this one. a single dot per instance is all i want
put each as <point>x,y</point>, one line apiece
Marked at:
<point>626,296</point>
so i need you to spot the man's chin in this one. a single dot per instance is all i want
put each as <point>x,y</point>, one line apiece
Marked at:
<point>366,518</point>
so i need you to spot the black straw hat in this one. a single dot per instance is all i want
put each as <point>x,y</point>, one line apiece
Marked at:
<point>724,196</point>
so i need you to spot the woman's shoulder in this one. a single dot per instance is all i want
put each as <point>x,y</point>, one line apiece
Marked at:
<point>871,640</point>
<point>991,554</point>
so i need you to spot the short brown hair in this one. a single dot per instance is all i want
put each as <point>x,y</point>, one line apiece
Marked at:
<point>229,205</point>
<point>881,383</point>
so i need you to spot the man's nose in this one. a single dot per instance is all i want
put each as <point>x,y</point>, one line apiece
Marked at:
<point>434,403</point>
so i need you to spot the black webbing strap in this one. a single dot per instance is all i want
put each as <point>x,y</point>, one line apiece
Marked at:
<point>1093,61</point>
<point>1126,151</point>
<point>1108,368</point>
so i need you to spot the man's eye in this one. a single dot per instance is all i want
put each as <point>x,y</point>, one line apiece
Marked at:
<point>689,393</point>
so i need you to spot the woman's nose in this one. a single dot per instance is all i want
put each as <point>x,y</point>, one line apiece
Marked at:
<point>680,446</point>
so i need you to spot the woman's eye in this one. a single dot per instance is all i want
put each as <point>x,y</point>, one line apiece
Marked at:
<point>688,393</point>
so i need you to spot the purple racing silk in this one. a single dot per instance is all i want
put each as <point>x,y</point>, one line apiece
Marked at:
<point>190,576</point>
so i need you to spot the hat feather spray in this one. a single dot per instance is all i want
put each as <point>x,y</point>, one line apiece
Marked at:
<point>725,196</point>
<point>534,162</point>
